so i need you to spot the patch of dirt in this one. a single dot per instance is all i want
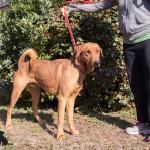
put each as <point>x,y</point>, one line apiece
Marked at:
<point>97,132</point>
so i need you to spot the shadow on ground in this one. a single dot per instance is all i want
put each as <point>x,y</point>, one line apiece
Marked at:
<point>3,139</point>
<point>49,119</point>
<point>116,121</point>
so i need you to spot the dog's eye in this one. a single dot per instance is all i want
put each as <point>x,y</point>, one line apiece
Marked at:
<point>88,51</point>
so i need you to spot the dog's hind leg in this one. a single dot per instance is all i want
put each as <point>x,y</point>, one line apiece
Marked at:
<point>19,84</point>
<point>35,93</point>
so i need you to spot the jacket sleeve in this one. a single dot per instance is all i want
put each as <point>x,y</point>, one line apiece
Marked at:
<point>3,4</point>
<point>102,5</point>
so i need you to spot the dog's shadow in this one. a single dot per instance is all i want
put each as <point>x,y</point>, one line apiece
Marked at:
<point>48,123</point>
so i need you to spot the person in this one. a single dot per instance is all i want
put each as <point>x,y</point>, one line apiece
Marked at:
<point>4,5</point>
<point>134,22</point>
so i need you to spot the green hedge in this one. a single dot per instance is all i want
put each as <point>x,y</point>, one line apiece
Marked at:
<point>40,24</point>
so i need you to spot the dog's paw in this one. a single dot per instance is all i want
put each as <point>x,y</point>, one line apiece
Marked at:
<point>8,126</point>
<point>60,137</point>
<point>75,132</point>
<point>42,123</point>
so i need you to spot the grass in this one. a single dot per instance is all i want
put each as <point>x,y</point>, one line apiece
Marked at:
<point>98,131</point>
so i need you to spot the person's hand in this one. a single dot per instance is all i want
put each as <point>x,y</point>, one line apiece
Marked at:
<point>63,10</point>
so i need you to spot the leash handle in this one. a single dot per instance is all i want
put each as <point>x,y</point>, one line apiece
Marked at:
<point>69,27</point>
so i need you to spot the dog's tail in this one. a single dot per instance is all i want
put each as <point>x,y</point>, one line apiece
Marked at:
<point>28,56</point>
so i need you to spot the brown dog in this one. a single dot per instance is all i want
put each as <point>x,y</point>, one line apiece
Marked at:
<point>60,77</point>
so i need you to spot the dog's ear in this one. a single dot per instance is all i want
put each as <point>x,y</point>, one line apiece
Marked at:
<point>101,53</point>
<point>100,50</point>
<point>77,50</point>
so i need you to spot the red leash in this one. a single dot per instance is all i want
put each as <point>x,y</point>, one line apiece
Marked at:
<point>69,28</point>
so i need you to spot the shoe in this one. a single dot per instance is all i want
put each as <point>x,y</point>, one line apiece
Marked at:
<point>147,138</point>
<point>138,128</point>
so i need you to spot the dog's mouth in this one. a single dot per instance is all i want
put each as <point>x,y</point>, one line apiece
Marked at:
<point>97,64</point>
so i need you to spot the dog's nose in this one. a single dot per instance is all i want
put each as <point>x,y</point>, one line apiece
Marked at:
<point>97,63</point>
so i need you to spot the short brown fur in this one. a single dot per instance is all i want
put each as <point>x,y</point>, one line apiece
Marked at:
<point>60,77</point>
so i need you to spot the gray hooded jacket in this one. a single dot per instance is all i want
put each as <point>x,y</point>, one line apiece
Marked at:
<point>3,4</point>
<point>134,15</point>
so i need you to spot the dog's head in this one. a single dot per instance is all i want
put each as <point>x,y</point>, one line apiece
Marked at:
<point>88,55</point>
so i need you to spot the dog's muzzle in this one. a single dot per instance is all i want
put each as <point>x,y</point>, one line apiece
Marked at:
<point>97,64</point>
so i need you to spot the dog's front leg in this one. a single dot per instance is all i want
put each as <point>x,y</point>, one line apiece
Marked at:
<point>61,111</point>
<point>70,111</point>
